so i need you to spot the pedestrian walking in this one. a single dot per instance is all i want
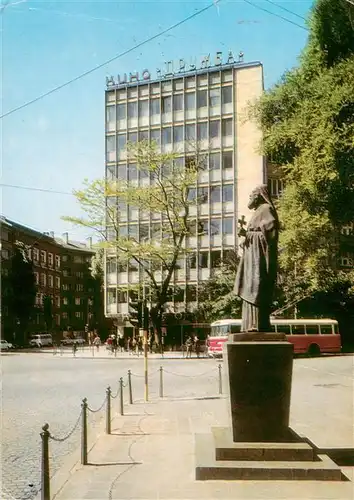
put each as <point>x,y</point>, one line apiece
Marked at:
<point>189,345</point>
<point>97,343</point>
<point>74,349</point>
<point>197,346</point>
<point>114,345</point>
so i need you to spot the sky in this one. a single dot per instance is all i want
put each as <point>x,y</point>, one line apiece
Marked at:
<point>56,142</point>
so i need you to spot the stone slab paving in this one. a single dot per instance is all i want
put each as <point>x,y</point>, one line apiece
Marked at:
<point>150,455</point>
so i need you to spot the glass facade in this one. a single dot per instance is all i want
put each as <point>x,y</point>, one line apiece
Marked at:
<point>176,113</point>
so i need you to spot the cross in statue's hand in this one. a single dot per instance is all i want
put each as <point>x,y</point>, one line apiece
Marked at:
<point>241,223</point>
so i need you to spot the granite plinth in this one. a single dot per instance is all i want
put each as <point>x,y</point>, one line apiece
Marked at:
<point>227,449</point>
<point>259,374</point>
<point>209,468</point>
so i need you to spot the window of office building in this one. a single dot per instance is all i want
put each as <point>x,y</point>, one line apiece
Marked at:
<point>191,194</point>
<point>133,231</point>
<point>190,132</point>
<point>132,92</point>
<point>36,278</point>
<point>143,108</point>
<point>227,192</point>
<point>121,111</point>
<point>143,231</point>
<point>156,231</point>
<point>43,279</point>
<point>122,141</point>
<point>202,80</point>
<point>57,282</point>
<point>78,259</point>
<point>132,109</point>
<point>190,82</point>
<point>203,260</point>
<point>214,129</point>
<point>178,84</point>
<point>50,281</point>
<point>228,225</point>
<point>214,97</point>
<point>215,194</point>
<point>57,261</point>
<point>123,231</point>
<point>35,254</point>
<point>203,194</point>
<point>214,161</point>
<point>227,76</point>
<point>178,294</point>
<point>214,78</point>
<point>79,288</point>
<point>190,100</point>
<point>110,144</point>
<point>203,227</point>
<point>78,314</point>
<point>155,135</point>
<point>111,114</point>
<point>215,258</point>
<point>178,163</point>
<point>133,266</point>
<point>167,104</point>
<point>202,131</point>
<point>132,172</point>
<point>167,135</point>
<point>77,301</point>
<point>155,107</point>
<point>227,127</point>
<point>57,301</point>
<point>202,98</point>
<point>133,137</point>
<point>192,261</point>
<point>143,135</point>
<point>122,172</point>
<point>155,88</point>
<point>178,102</point>
<point>178,134</point>
<point>215,226</point>
<point>65,315</point>
<point>121,94</point>
<point>50,259</point>
<point>43,257</point>
<point>144,90</point>
<point>227,159</point>
<point>226,94</point>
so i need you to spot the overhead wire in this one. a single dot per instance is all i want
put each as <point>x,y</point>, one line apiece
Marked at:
<point>28,188</point>
<point>286,9</point>
<point>275,14</point>
<point>108,61</point>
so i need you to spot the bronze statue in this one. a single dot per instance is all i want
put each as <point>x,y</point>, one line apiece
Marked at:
<point>257,270</point>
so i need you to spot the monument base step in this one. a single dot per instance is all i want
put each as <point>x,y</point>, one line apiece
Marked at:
<point>227,449</point>
<point>209,468</point>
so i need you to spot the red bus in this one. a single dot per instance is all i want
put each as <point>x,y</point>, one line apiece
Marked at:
<point>311,336</point>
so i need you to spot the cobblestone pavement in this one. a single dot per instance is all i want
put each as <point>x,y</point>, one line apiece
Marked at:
<point>40,388</point>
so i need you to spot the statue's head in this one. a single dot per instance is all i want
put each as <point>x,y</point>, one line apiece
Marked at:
<point>258,196</point>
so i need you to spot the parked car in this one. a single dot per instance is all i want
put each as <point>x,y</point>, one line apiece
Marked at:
<point>5,345</point>
<point>41,340</point>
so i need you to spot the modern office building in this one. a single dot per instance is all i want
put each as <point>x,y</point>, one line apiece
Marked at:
<point>208,106</point>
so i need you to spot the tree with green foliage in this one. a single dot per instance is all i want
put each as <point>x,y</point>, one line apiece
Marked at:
<point>307,120</point>
<point>166,200</point>
<point>21,291</point>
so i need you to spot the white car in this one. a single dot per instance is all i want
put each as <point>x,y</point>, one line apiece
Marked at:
<point>5,345</point>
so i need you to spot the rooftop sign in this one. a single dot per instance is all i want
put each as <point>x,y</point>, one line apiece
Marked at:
<point>173,68</point>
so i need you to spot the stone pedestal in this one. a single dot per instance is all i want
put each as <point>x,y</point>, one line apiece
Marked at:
<point>259,375</point>
<point>259,445</point>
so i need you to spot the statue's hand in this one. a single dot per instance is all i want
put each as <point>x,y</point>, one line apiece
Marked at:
<point>242,232</point>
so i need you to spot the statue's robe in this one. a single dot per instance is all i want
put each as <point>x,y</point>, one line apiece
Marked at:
<point>257,270</point>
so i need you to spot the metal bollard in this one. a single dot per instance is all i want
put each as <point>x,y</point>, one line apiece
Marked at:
<point>220,380</point>
<point>84,432</point>
<point>45,479</point>
<point>161,382</point>
<point>108,410</point>
<point>121,396</point>
<point>130,387</point>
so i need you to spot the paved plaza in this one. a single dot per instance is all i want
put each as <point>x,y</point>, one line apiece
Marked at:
<point>150,453</point>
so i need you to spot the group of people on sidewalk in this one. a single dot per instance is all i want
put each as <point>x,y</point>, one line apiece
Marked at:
<point>193,344</point>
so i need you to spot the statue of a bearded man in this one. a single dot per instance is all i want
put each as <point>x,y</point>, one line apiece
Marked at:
<point>257,270</point>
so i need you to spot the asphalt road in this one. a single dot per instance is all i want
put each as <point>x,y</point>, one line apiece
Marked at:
<point>39,388</point>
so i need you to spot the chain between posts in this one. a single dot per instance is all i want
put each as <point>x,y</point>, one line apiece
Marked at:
<point>98,409</point>
<point>61,440</point>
